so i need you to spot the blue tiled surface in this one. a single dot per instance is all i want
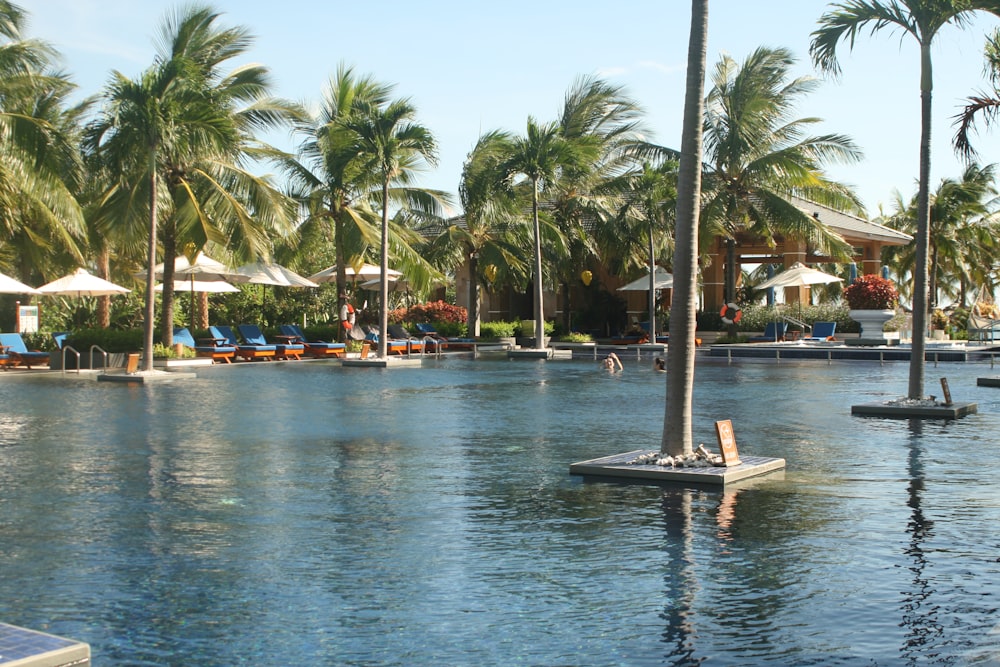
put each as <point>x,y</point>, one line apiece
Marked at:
<point>19,643</point>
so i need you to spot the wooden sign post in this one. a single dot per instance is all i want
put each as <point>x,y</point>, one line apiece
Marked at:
<point>727,443</point>
<point>946,390</point>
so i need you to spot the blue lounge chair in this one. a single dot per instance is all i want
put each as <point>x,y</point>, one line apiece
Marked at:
<point>450,343</point>
<point>252,335</point>
<point>773,332</point>
<point>18,354</point>
<point>213,348</point>
<point>399,336</point>
<point>314,348</point>
<point>821,332</point>
<point>246,351</point>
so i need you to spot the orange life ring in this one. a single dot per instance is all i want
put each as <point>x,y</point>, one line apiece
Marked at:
<point>731,313</point>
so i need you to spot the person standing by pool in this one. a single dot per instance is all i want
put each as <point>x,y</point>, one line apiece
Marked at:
<point>347,317</point>
<point>612,363</point>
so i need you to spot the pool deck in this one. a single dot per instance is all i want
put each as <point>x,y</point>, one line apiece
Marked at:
<point>617,466</point>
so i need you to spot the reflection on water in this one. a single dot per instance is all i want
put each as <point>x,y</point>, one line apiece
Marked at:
<point>310,514</point>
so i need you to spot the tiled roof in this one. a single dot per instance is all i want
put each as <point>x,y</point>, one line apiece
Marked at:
<point>851,227</point>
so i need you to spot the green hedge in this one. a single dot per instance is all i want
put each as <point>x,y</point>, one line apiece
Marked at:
<point>109,340</point>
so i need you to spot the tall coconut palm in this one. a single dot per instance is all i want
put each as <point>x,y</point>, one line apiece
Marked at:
<point>985,105</point>
<point>390,143</point>
<point>922,20</point>
<point>179,139</point>
<point>601,114</point>
<point>757,154</point>
<point>487,234</point>
<point>677,432</point>
<point>643,227</point>
<point>961,233</point>
<point>540,156</point>
<point>39,161</point>
<point>339,187</point>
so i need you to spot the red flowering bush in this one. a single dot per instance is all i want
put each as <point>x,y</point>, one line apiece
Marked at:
<point>432,311</point>
<point>871,292</point>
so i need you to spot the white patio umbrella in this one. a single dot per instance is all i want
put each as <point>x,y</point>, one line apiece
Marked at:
<point>798,275</point>
<point>203,268</point>
<point>261,273</point>
<point>208,286</point>
<point>10,286</point>
<point>82,283</point>
<point>661,280</point>
<point>399,284</point>
<point>364,272</point>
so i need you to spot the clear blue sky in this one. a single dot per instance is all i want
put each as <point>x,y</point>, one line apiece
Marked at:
<point>471,67</point>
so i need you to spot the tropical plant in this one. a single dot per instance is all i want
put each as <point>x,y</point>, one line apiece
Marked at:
<point>389,143</point>
<point>963,234</point>
<point>985,105</point>
<point>40,169</point>
<point>487,234</point>
<point>921,19</point>
<point>677,419</point>
<point>757,155</point>
<point>871,292</point>
<point>177,140</point>
<point>540,156</point>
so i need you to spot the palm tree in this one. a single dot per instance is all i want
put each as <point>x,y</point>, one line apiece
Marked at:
<point>986,105</point>
<point>643,228</point>
<point>487,234</point>
<point>757,154</point>
<point>677,432</point>
<point>540,156</point>
<point>962,233</point>
<point>588,193</point>
<point>388,142</point>
<point>40,169</point>
<point>340,188</point>
<point>922,19</point>
<point>178,139</point>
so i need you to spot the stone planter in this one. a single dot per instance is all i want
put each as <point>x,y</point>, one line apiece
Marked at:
<point>871,321</point>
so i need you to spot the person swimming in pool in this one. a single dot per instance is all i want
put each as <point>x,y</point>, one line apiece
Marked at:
<point>659,365</point>
<point>612,363</point>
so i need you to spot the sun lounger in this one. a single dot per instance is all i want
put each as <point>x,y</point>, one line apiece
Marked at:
<point>286,349</point>
<point>447,343</point>
<point>213,348</point>
<point>399,334</point>
<point>773,333</point>
<point>821,332</point>
<point>245,351</point>
<point>314,348</point>
<point>18,354</point>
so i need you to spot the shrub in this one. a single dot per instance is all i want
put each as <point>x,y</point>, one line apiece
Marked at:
<point>161,351</point>
<point>109,340</point>
<point>451,329</point>
<point>432,311</point>
<point>871,292</point>
<point>576,337</point>
<point>497,329</point>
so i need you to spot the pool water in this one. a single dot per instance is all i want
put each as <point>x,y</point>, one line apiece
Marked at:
<point>308,514</point>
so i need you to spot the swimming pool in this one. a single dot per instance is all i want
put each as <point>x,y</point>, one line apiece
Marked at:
<point>303,513</point>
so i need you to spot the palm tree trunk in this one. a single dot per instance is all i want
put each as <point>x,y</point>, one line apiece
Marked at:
<point>677,431</point>
<point>920,279</point>
<point>201,320</point>
<point>652,288</point>
<point>338,249</point>
<point>383,306</point>
<point>104,302</point>
<point>539,292</point>
<point>474,302</point>
<point>167,304</point>
<point>150,320</point>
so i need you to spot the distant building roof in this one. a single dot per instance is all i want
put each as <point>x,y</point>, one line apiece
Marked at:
<point>851,227</point>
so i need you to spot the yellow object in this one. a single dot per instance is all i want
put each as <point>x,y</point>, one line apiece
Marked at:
<point>586,277</point>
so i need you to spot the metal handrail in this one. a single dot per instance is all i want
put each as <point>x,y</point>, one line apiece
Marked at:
<point>76,352</point>
<point>437,345</point>
<point>103,352</point>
